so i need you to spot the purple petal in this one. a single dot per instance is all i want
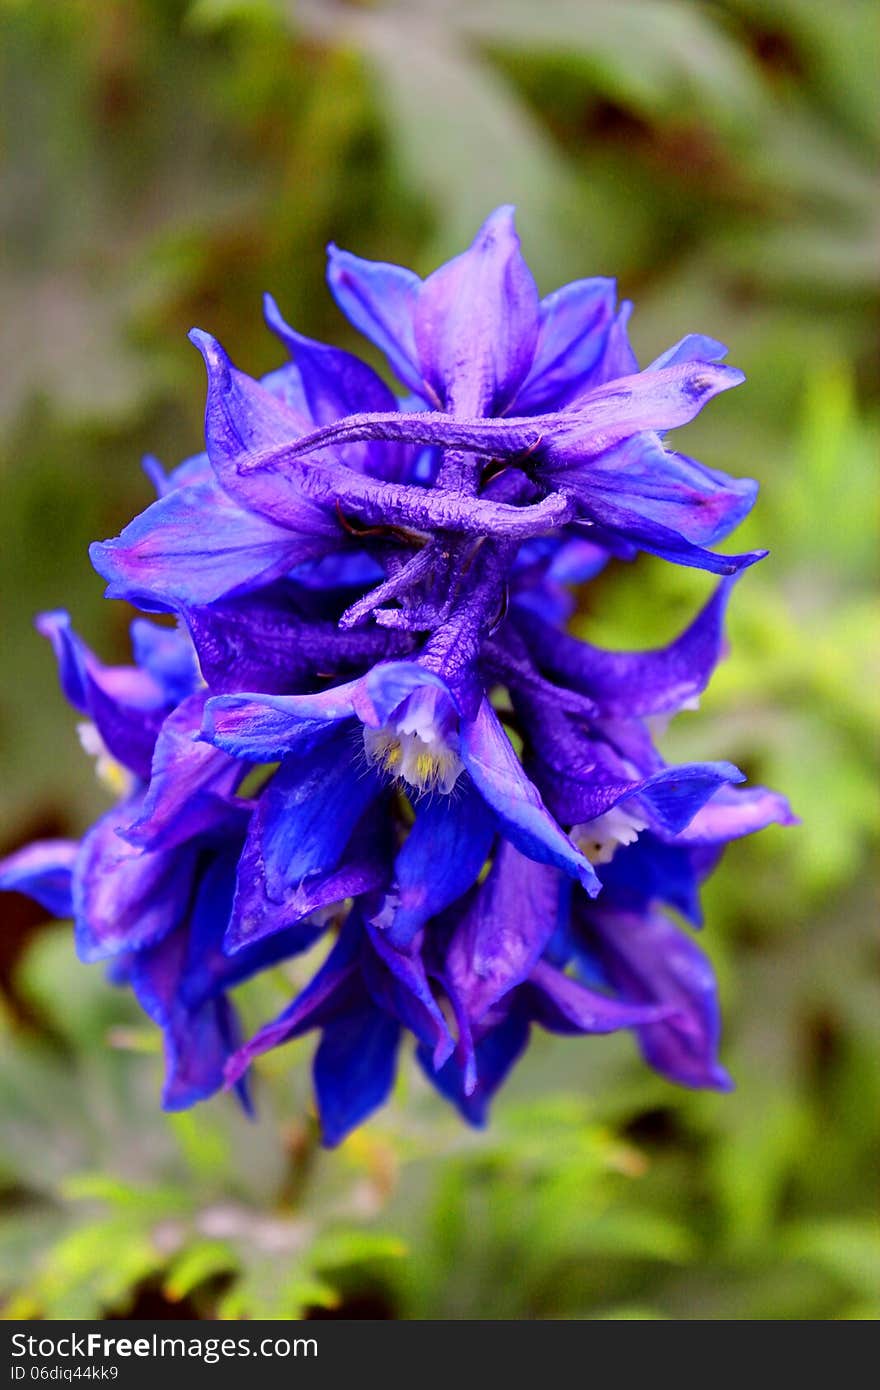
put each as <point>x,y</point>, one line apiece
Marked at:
<point>265,728</point>
<point>379,300</point>
<point>196,545</point>
<point>476,322</point>
<point>504,930</point>
<point>662,488</point>
<point>334,384</point>
<point>263,641</point>
<point>651,961</point>
<point>694,347</point>
<point>190,783</point>
<point>43,871</point>
<point>730,814</point>
<point>636,684</point>
<point>561,1005</point>
<point>574,327</point>
<point>498,775</point>
<point>125,703</point>
<point>124,900</point>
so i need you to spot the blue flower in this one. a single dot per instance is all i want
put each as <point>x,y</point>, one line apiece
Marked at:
<point>369,725</point>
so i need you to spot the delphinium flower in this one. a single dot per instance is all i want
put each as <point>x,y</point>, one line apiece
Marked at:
<point>369,726</point>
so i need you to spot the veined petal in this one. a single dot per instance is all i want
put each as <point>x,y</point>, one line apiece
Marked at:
<point>196,545</point>
<point>476,322</point>
<point>664,488</point>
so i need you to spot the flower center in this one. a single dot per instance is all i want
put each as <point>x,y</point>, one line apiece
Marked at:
<point>600,839</point>
<point>420,743</point>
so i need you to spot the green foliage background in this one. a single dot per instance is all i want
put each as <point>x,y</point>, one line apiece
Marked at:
<point>164,162</point>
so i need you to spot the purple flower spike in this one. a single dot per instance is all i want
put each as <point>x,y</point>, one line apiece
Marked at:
<point>364,726</point>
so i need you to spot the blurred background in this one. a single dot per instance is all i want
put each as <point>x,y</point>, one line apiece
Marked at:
<point>163,163</point>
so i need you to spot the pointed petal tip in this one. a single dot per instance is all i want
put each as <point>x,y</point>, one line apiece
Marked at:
<point>214,355</point>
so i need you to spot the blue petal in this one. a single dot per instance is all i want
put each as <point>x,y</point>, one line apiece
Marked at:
<point>196,545</point>
<point>379,300</point>
<point>364,868</point>
<point>124,900</point>
<point>575,321</point>
<point>306,815</point>
<point>476,322</point>
<point>498,775</point>
<point>503,931</point>
<point>494,1055</point>
<point>354,1070</point>
<point>652,871</point>
<point>399,986</point>
<point>441,858</point>
<point>265,728</point>
<point>43,871</point>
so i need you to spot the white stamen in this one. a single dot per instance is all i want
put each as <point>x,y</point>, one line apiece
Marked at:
<point>600,839</point>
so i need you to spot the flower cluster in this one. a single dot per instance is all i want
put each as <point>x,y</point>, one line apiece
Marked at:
<point>369,726</point>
